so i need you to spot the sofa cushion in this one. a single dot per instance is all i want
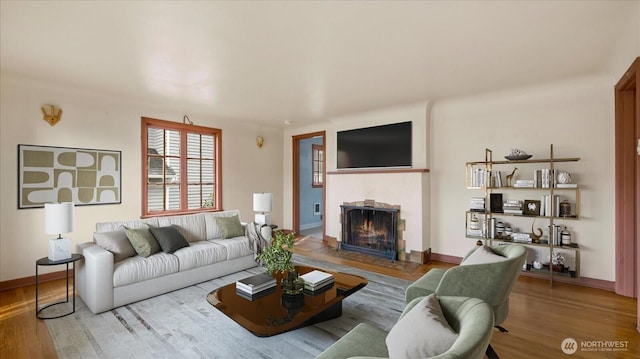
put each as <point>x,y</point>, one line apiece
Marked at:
<point>422,332</point>
<point>119,225</point>
<point>191,226</point>
<point>213,231</point>
<point>142,241</point>
<point>199,254</point>
<point>230,226</point>
<point>235,247</point>
<point>137,269</point>
<point>115,242</point>
<point>483,255</point>
<point>169,238</point>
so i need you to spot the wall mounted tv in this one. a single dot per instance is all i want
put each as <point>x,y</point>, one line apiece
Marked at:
<point>375,147</point>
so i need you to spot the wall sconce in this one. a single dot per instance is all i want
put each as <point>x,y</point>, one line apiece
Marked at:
<point>51,116</point>
<point>259,141</point>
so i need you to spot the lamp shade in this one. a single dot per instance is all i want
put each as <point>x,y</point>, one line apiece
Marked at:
<point>262,202</point>
<point>58,218</point>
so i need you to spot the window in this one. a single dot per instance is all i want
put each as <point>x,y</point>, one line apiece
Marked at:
<point>317,162</point>
<point>181,168</point>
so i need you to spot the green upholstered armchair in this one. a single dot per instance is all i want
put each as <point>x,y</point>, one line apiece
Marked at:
<point>491,281</point>
<point>471,318</point>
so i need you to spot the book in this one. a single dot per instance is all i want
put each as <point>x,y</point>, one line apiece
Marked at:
<point>567,185</point>
<point>316,278</point>
<point>252,297</point>
<point>319,285</point>
<point>256,283</point>
<point>318,290</point>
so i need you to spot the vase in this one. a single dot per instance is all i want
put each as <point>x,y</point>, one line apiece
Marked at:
<point>292,283</point>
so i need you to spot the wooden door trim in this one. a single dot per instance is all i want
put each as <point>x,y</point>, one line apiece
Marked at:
<point>295,220</point>
<point>626,193</point>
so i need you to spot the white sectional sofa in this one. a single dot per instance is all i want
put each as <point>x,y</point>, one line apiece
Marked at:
<point>106,281</point>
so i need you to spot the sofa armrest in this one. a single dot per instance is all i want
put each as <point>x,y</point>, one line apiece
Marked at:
<point>95,277</point>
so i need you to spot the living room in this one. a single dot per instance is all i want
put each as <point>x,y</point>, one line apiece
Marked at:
<point>571,109</point>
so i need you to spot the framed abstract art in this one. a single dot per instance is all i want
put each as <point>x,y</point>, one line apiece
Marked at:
<point>83,176</point>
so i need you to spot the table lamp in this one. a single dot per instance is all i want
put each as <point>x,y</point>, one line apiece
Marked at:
<point>58,219</point>
<point>262,203</point>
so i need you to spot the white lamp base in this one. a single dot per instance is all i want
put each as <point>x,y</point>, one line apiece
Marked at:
<point>59,249</point>
<point>263,218</point>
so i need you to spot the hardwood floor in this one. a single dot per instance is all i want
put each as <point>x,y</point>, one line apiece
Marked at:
<point>540,318</point>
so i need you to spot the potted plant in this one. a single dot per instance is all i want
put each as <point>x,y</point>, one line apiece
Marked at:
<point>276,258</point>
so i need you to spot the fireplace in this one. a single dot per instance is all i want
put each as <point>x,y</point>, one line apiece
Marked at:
<point>370,229</point>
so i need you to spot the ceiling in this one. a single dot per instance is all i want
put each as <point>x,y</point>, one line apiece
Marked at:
<point>271,62</point>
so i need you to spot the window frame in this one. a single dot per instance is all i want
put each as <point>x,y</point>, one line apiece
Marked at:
<point>319,149</point>
<point>184,130</point>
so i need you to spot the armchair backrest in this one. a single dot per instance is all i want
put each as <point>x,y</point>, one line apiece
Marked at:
<point>491,282</point>
<point>472,319</point>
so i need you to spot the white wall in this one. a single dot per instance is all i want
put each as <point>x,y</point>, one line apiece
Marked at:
<point>576,115</point>
<point>92,120</point>
<point>409,190</point>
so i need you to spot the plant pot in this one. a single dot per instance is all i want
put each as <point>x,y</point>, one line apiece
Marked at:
<point>292,284</point>
<point>558,267</point>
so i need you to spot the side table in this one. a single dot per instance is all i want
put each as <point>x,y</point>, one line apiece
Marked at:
<point>46,262</point>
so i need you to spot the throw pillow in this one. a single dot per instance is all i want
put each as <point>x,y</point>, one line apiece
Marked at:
<point>169,238</point>
<point>423,332</point>
<point>115,242</point>
<point>483,255</point>
<point>142,241</point>
<point>230,226</point>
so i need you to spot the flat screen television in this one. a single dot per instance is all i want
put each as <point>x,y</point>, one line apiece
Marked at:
<point>375,147</point>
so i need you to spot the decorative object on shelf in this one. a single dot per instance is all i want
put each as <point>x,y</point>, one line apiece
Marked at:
<point>536,234</point>
<point>507,233</point>
<point>517,155</point>
<point>474,223</point>
<point>557,261</point>
<point>51,115</point>
<point>262,202</point>
<point>565,235</point>
<point>259,141</point>
<point>510,176</point>
<point>58,219</point>
<point>276,258</point>
<point>495,202</point>
<point>564,177</point>
<point>537,265</point>
<point>499,230</point>
<point>565,209</point>
<point>531,207</point>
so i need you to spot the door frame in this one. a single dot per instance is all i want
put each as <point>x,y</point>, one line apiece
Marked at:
<point>295,222</point>
<point>627,192</point>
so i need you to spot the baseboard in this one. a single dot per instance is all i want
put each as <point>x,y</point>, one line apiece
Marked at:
<point>27,281</point>
<point>583,281</point>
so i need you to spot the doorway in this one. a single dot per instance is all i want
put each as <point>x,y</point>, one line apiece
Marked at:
<point>309,176</point>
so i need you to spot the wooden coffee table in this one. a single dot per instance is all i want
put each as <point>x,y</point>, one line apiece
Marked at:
<point>277,313</point>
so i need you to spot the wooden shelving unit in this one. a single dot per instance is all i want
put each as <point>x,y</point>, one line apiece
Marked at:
<point>485,219</point>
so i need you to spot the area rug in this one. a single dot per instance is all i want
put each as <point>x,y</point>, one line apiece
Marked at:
<point>182,324</point>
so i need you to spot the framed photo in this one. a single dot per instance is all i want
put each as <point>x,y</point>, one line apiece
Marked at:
<point>62,174</point>
<point>495,202</point>
<point>531,207</point>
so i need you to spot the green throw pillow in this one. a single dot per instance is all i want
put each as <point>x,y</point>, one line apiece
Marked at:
<point>230,226</point>
<point>142,241</point>
<point>169,238</point>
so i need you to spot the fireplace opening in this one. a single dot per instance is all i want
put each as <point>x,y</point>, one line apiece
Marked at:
<point>369,230</point>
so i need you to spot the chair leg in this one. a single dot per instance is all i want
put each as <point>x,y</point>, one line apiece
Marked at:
<point>491,354</point>
<point>501,329</point>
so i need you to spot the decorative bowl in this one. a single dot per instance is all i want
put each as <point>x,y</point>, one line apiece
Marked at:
<point>518,157</point>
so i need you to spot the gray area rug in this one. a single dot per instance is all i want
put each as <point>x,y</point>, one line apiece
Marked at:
<point>182,324</point>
